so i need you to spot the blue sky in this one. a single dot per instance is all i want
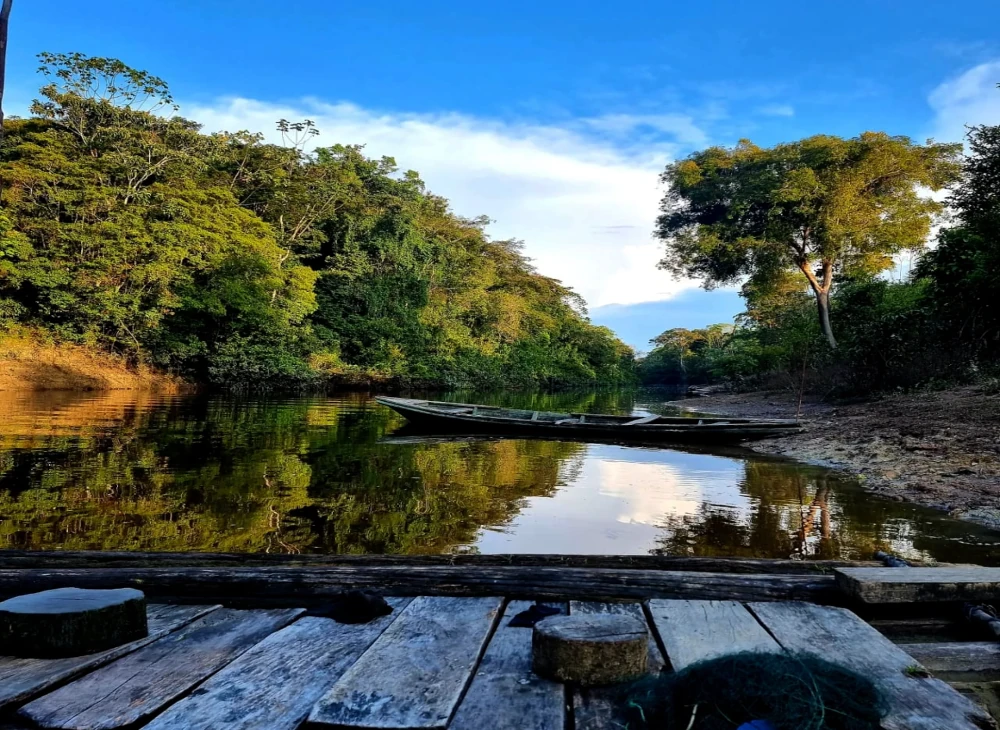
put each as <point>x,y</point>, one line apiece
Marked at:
<point>552,118</point>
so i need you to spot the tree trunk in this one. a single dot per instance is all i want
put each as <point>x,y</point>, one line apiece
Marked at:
<point>4,20</point>
<point>823,304</point>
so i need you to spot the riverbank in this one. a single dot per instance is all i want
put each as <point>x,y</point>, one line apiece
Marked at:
<point>939,449</point>
<point>29,364</point>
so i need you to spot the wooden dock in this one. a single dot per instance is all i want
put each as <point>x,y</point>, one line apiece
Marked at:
<point>446,661</point>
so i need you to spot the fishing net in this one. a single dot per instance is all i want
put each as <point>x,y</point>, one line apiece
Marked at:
<point>785,692</point>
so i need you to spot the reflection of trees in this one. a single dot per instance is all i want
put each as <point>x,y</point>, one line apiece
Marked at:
<point>281,476</point>
<point>127,471</point>
<point>810,512</point>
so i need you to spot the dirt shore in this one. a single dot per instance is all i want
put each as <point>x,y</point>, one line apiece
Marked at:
<point>27,364</point>
<point>940,449</point>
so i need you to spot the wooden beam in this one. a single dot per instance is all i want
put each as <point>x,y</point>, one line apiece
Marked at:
<point>296,585</point>
<point>120,559</point>
<point>913,585</point>
<point>979,657</point>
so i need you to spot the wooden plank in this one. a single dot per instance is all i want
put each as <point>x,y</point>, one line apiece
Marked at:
<point>957,656</point>
<point>142,683</point>
<point>596,707</point>
<point>910,585</point>
<point>112,559</point>
<point>505,694</point>
<point>415,673</point>
<point>837,635</point>
<point>23,679</point>
<point>920,630</point>
<point>692,631</point>
<point>642,421</point>
<point>274,685</point>
<point>297,585</point>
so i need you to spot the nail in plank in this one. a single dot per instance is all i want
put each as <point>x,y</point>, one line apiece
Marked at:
<point>414,674</point>
<point>275,684</point>
<point>837,635</point>
<point>505,694</point>
<point>692,631</point>
<point>22,679</point>
<point>141,684</point>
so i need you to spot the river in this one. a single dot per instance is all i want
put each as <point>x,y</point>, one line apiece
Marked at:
<point>122,470</point>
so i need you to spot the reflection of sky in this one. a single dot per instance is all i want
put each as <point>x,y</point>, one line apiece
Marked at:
<point>618,499</point>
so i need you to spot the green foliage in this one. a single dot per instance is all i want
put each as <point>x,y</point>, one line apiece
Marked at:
<point>228,259</point>
<point>943,325</point>
<point>682,356</point>
<point>962,270</point>
<point>823,206</point>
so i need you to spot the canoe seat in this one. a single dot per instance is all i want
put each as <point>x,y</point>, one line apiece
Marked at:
<point>641,421</point>
<point>534,416</point>
<point>565,421</point>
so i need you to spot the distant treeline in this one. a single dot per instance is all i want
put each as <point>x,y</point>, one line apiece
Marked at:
<point>940,324</point>
<point>230,260</point>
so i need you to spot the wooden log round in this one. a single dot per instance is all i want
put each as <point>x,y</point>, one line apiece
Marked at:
<point>590,649</point>
<point>71,621</point>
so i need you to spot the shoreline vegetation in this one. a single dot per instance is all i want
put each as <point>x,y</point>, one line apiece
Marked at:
<point>229,261</point>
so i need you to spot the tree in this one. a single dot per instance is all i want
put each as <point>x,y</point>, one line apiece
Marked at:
<point>4,24</point>
<point>962,269</point>
<point>823,206</point>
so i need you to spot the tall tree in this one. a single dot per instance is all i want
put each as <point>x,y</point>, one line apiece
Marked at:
<point>823,206</point>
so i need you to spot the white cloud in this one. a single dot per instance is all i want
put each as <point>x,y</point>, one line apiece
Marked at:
<point>584,204</point>
<point>777,110</point>
<point>968,99</point>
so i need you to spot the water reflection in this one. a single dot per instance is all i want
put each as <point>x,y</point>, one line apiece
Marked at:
<point>128,471</point>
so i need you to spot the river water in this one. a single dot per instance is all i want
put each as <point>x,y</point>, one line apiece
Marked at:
<point>340,474</point>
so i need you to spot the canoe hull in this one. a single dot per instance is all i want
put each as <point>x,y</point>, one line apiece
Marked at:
<point>420,415</point>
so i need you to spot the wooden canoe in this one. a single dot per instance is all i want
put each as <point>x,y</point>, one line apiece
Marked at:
<point>473,418</point>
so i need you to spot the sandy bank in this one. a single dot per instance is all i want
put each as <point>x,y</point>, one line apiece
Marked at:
<point>27,364</point>
<point>939,449</point>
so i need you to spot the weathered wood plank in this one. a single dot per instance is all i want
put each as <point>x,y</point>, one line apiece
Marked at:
<point>414,674</point>
<point>142,683</point>
<point>300,584</point>
<point>920,630</point>
<point>23,679</point>
<point>837,635</point>
<point>112,559</point>
<point>910,585</point>
<point>595,708</point>
<point>957,656</point>
<point>692,631</point>
<point>505,694</point>
<point>274,685</point>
